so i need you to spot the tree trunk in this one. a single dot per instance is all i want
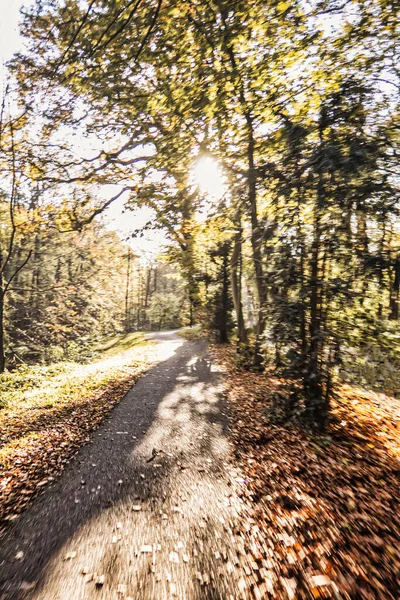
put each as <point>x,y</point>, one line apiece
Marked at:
<point>303,328</point>
<point>256,234</point>
<point>362,246</point>
<point>381,263</point>
<point>301,238</point>
<point>139,299</point>
<point>256,244</point>
<point>313,378</point>
<point>155,280</point>
<point>223,330</point>
<point>317,402</point>
<point>34,296</point>
<point>2,353</point>
<point>236,286</point>
<point>148,291</point>
<point>395,291</point>
<point>192,293</point>
<point>128,276</point>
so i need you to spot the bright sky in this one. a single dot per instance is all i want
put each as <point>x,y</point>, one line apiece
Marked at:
<point>206,173</point>
<point>123,222</point>
<point>10,41</point>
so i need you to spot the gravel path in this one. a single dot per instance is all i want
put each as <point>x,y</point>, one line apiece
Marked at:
<point>146,510</point>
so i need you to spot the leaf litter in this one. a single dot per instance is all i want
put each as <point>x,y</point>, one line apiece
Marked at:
<point>323,517</point>
<point>35,446</point>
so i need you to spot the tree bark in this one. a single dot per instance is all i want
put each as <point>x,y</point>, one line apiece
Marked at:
<point>256,234</point>
<point>148,291</point>
<point>223,331</point>
<point>2,353</point>
<point>236,286</point>
<point>313,379</point>
<point>395,291</point>
<point>317,403</point>
<point>256,244</point>
<point>128,281</point>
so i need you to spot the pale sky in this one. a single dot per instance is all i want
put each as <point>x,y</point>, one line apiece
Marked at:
<point>148,245</point>
<point>10,41</point>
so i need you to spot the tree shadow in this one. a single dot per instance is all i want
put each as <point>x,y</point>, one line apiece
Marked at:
<point>166,420</point>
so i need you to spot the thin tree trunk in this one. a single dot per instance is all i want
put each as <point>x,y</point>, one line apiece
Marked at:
<point>395,290</point>
<point>139,299</point>
<point>362,246</point>
<point>381,256</point>
<point>256,234</point>
<point>34,299</point>
<point>313,380</point>
<point>155,280</point>
<point>256,244</point>
<point>128,276</point>
<point>236,285</point>
<point>191,322</point>
<point>300,234</point>
<point>148,292</point>
<point>2,353</point>
<point>223,332</point>
<point>303,328</point>
<point>317,403</point>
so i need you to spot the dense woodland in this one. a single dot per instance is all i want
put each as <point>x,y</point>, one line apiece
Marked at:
<point>296,261</point>
<point>76,289</point>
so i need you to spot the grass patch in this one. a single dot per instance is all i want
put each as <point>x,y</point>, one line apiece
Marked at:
<point>47,412</point>
<point>120,343</point>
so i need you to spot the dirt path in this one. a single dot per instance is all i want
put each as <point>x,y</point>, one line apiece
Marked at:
<point>146,510</point>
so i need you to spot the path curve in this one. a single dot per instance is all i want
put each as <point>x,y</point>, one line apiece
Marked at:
<point>146,510</point>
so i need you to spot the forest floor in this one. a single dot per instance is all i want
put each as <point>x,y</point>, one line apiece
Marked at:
<point>48,412</point>
<point>147,509</point>
<point>325,509</point>
<point>171,499</point>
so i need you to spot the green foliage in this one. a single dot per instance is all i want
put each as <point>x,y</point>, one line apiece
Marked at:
<point>119,343</point>
<point>69,295</point>
<point>300,109</point>
<point>44,386</point>
<point>165,311</point>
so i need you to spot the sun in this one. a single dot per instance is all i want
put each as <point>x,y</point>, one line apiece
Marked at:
<point>209,177</point>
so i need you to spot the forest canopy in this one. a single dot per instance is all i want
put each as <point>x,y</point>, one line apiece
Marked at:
<point>286,244</point>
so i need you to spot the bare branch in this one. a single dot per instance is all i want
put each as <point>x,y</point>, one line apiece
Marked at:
<point>74,38</point>
<point>150,29</point>
<point>17,270</point>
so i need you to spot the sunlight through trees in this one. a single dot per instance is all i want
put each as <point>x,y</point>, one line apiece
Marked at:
<point>264,139</point>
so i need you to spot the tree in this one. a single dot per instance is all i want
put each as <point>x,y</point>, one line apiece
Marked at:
<point>308,146</point>
<point>17,216</point>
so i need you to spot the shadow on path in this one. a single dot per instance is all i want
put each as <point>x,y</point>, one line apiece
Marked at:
<point>141,504</point>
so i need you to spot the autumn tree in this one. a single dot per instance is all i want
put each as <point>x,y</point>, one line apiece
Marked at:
<point>273,92</point>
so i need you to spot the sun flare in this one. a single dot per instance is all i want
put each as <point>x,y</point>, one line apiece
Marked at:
<point>209,177</point>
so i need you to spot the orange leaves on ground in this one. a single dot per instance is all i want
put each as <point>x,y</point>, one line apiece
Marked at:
<point>323,509</point>
<point>36,445</point>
